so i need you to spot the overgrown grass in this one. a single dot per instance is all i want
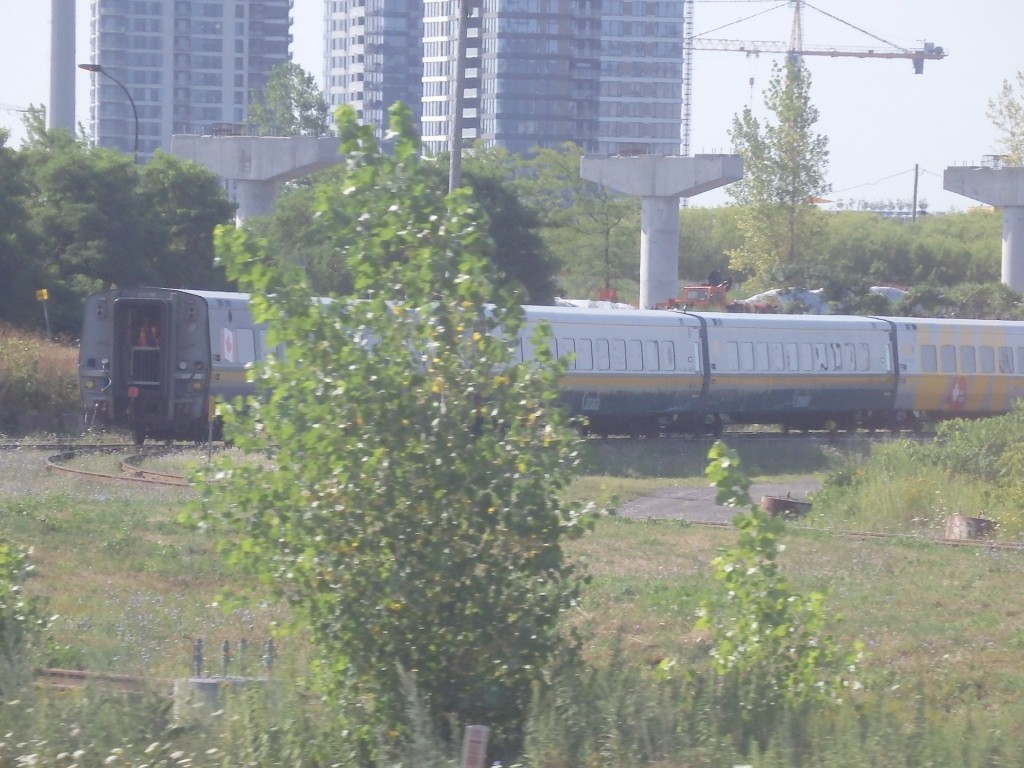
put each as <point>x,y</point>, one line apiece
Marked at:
<point>38,382</point>
<point>942,625</point>
<point>971,468</point>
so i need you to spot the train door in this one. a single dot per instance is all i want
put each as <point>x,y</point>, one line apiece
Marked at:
<point>141,384</point>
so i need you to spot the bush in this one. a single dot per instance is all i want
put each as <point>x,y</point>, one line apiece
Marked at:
<point>37,377</point>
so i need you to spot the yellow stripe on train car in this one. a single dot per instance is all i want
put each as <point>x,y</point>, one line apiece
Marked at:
<point>968,392</point>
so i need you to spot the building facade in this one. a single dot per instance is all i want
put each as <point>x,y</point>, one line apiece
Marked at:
<point>373,56</point>
<point>604,74</point>
<point>189,66</point>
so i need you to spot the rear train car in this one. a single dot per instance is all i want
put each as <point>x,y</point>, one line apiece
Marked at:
<point>959,368</point>
<point>153,360</point>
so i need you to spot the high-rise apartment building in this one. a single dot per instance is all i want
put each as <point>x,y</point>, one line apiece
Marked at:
<point>605,74</point>
<point>374,56</point>
<point>189,66</point>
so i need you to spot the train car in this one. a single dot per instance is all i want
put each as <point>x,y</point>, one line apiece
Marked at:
<point>800,371</point>
<point>958,368</point>
<point>630,371</point>
<point>152,359</point>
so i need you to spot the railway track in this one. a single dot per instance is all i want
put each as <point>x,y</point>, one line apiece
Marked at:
<point>130,468</point>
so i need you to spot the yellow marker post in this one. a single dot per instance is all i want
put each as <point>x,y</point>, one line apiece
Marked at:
<point>43,295</point>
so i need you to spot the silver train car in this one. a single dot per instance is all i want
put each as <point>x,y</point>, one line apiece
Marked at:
<point>155,360</point>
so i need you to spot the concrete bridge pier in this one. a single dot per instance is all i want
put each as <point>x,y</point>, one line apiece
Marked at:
<point>258,164</point>
<point>1002,187</point>
<point>660,181</point>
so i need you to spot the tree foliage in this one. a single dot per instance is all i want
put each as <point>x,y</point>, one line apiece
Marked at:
<point>1006,111</point>
<point>81,218</point>
<point>290,104</point>
<point>769,644</point>
<point>706,236</point>
<point>593,232</point>
<point>784,167</point>
<point>21,273</point>
<point>22,620</point>
<point>300,235</point>
<point>412,515</point>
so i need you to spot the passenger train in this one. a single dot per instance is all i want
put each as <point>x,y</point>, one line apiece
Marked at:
<point>155,360</point>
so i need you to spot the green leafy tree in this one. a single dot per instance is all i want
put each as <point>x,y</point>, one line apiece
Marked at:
<point>592,231</point>
<point>300,235</point>
<point>22,621</point>
<point>184,202</point>
<point>520,253</point>
<point>784,167</point>
<point>1006,111</point>
<point>707,236</point>
<point>95,219</point>
<point>290,104</point>
<point>769,644</point>
<point>18,248</point>
<point>412,516</point>
<point>87,219</point>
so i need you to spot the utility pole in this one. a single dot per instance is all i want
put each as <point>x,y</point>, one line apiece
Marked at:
<point>455,140</point>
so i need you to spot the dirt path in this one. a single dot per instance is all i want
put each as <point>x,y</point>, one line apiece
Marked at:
<point>698,504</point>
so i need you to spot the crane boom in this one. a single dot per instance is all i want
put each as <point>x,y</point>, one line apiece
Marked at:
<point>795,49</point>
<point>756,47</point>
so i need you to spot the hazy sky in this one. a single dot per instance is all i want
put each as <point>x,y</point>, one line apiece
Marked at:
<point>881,119</point>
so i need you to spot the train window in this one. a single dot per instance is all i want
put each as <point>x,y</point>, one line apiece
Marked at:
<point>618,355</point>
<point>746,349</point>
<point>987,359</point>
<point>775,356</point>
<point>849,357</point>
<point>863,357</point>
<point>968,360</point>
<point>732,356</point>
<point>516,350</point>
<point>835,360</point>
<point>651,356</point>
<point>667,355</point>
<point>1020,359</point>
<point>1006,359</point>
<point>261,349</point>
<point>634,355</point>
<point>929,359</point>
<point>947,358</point>
<point>820,359</point>
<point>806,359</point>
<point>792,360</point>
<point>245,342</point>
<point>602,355</point>
<point>584,355</point>
<point>761,356</point>
<point>567,348</point>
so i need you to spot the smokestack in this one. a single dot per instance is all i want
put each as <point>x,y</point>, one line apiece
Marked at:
<point>61,112</point>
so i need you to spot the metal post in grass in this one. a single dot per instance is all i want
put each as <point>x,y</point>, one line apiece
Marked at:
<point>474,746</point>
<point>42,295</point>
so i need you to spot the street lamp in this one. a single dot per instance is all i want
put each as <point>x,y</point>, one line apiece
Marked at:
<point>135,112</point>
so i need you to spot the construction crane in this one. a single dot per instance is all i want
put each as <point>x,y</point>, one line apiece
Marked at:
<point>795,49</point>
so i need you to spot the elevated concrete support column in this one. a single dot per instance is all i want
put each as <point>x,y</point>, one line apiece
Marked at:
<point>660,180</point>
<point>255,198</point>
<point>1002,188</point>
<point>659,237</point>
<point>1013,247</point>
<point>258,165</point>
